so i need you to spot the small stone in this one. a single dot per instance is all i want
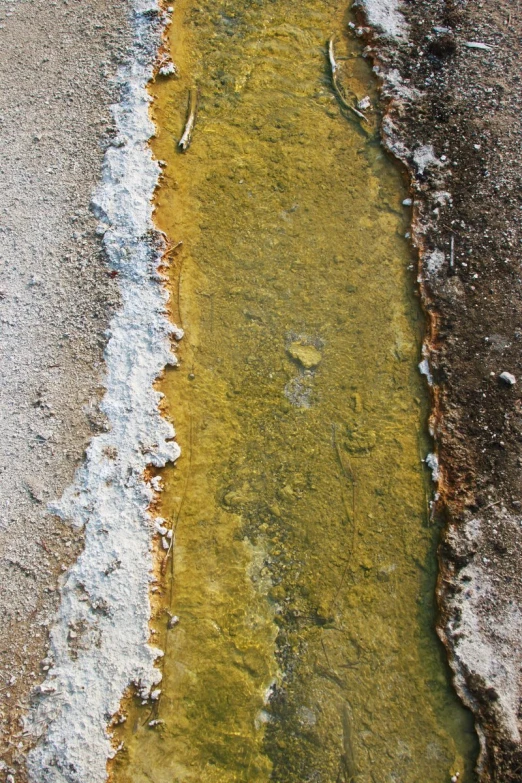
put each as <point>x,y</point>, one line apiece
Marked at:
<point>36,489</point>
<point>407,202</point>
<point>508,378</point>
<point>168,69</point>
<point>364,103</point>
<point>156,483</point>
<point>160,525</point>
<point>306,355</point>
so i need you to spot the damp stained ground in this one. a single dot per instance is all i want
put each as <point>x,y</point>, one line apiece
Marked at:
<point>304,564</point>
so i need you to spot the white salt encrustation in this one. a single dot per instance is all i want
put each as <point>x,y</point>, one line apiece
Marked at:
<point>385,17</point>
<point>99,642</point>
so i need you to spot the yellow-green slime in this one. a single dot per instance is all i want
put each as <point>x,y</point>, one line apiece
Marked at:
<point>304,561</point>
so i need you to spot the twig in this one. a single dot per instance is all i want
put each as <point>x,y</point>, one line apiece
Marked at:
<point>175,525</point>
<point>179,293</point>
<point>189,472</point>
<point>427,506</point>
<point>170,555</point>
<point>427,492</point>
<point>325,654</point>
<point>171,249</point>
<point>349,475</point>
<point>192,108</point>
<point>496,503</point>
<point>452,252</point>
<point>338,91</point>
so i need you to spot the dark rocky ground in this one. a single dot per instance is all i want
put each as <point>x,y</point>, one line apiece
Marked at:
<point>455,121</point>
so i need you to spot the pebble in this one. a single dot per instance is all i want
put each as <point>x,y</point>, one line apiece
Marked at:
<point>407,202</point>
<point>508,378</point>
<point>306,355</point>
<point>478,45</point>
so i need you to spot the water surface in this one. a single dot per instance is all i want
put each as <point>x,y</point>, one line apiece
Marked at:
<point>304,566</point>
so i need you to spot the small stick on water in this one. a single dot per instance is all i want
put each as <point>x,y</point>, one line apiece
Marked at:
<point>179,293</point>
<point>171,249</point>
<point>427,493</point>
<point>346,474</point>
<point>337,89</point>
<point>349,475</point>
<point>428,507</point>
<point>192,108</point>
<point>347,470</point>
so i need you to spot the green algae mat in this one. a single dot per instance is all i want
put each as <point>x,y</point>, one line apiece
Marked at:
<point>296,608</point>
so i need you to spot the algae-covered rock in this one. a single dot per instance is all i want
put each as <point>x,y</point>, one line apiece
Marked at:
<point>306,355</point>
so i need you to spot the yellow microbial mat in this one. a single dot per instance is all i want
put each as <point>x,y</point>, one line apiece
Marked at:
<point>297,607</point>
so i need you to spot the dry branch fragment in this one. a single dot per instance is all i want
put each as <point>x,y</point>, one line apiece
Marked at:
<point>192,108</point>
<point>337,88</point>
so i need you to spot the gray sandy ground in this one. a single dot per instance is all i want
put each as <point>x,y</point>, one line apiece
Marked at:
<point>56,60</point>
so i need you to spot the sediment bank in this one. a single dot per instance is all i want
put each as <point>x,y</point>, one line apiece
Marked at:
<point>452,87</point>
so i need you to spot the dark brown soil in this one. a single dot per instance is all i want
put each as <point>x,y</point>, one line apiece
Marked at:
<point>469,109</point>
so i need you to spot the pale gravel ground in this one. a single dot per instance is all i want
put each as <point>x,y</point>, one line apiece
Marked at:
<point>56,298</point>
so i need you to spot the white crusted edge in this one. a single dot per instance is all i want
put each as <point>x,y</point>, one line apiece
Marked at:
<point>385,17</point>
<point>486,642</point>
<point>99,642</point>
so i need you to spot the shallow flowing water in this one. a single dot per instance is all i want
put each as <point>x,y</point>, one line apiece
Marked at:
<point>302,577</point>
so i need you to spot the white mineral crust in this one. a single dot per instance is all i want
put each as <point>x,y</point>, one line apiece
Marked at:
<point>99,642</point>
<point>385,17</point>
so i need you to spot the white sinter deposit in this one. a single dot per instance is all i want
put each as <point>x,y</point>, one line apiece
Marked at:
<point>99,643</point>
<point>385,17</point>
<point>485,628</point>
